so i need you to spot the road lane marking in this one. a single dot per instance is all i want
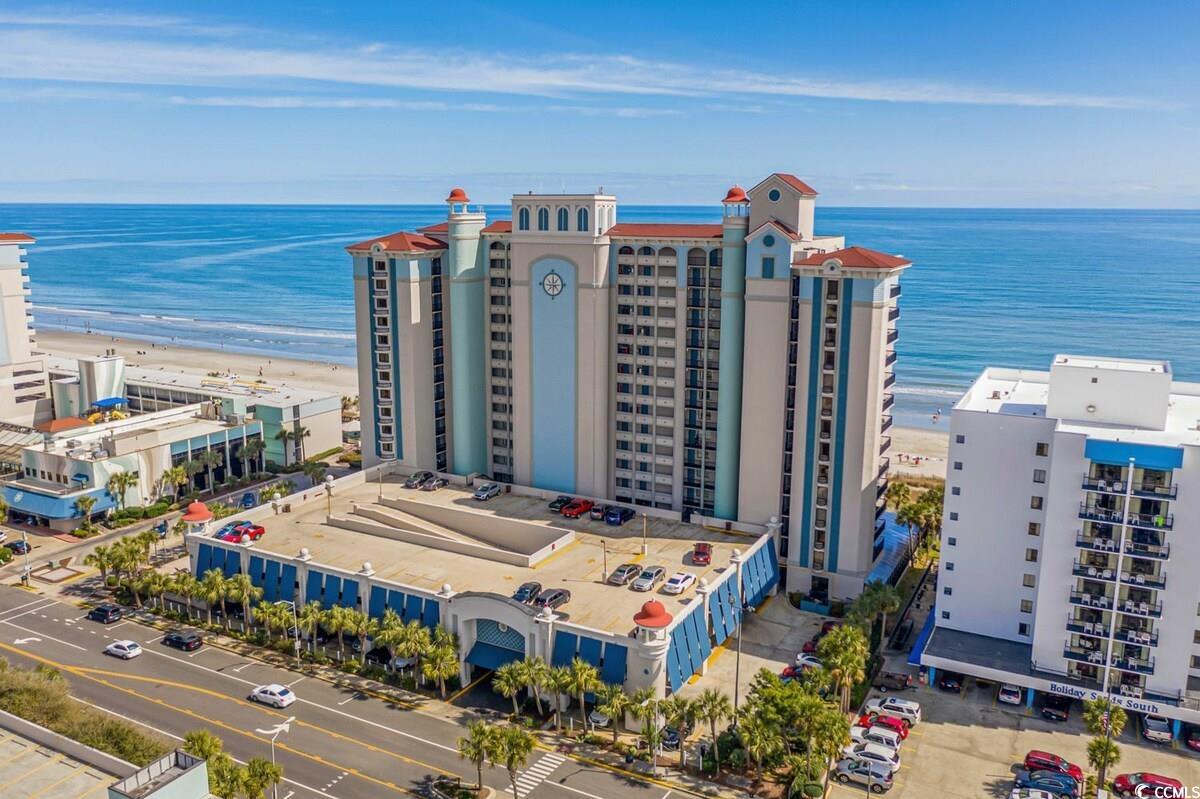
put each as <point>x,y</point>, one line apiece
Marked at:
<point>31,610</point>
<point>296,682</point>
<point>351,698</point>
<point>238,670</point>
<point>27,604</point>
<point>37,632</point>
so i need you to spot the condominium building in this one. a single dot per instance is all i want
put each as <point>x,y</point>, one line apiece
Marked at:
<point>24,395</point>
<point>1066,563</point>
<point>738,371</point>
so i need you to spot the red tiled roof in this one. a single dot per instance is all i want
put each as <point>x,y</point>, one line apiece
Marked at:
<point>856,257</point>
<point>499,226</point>
<point>59,425</point>
<point>17,238</point>
<point>736,195</point>
<point>784,229</point>
<point>401,242</point>
<point>656,230</point>
<point>796,183</point>
<point>457,195</point>
<point>440,227</point>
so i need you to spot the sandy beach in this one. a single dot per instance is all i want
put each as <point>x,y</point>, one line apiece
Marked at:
<point>911,443</point>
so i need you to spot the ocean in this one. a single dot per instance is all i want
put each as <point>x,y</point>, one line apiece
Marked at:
<point>988,286</point>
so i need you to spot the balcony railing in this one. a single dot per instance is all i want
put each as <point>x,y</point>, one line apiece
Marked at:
<point>1092,572</point>
<point>1153,521</point>
<point>1151,609</point>
<point>1129,635</point>
<point>893,314</point>
<point>884,444</point>
<point>895,291</point>
<point>1097,629</point>
<point>1158,582</point>
<point>1160,551</point>
<point>886,423</point>
<point>883,467</point>
<point>1095,543</point>
<point>1136,665</point>
<point>892,336</point>
<point>1091,600</point>
<point>888,401</point>
<point>1144,490</point>
<point>1083,655</point>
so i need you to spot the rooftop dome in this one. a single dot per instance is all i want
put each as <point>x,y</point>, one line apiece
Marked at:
<point>736,195</point>
<point>457,195</point>
<point>197,512</point>
<point>653,615</point>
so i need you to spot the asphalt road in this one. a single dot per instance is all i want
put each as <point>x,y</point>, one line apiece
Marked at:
<point>341,744</point>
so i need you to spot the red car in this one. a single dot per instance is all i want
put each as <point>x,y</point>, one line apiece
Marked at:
<point>1037,760</point>
<point>830,626</point>
<point>810,646</point>
<point>702,554</point>
<point>896,725</point>
<point>577,507</point>
<point>1128,784</point>
<point>233,532</point>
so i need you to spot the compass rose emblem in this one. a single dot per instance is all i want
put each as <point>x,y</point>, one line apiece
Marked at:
<point>552,284</point>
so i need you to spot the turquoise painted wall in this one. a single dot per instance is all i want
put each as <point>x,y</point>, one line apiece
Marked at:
<point>729,382</point>
<point>554,365</point>
<point>468,343</point>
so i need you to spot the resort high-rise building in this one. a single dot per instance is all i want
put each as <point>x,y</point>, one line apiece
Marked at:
<point>738,371</point>
<point>24,392</point>
<point>1066,557</point>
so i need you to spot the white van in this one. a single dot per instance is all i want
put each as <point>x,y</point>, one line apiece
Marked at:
<point>876,735</point>
<point>905,709</point>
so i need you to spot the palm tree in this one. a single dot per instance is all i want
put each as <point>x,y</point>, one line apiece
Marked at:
<point>679,712</point>
<point>335,621</point>
<point>211,459</point>
<point>212,589</point>
<point>760,739</point>
<point>441,663</point>
<point>84,506</point>
<point>713,707</point>
<point>910,516</point>
<point>644,704</point>
<point>172,479</point>
<point>242,590</point>
<point>119,484</point>
<point>249,452</point>
<point>101,557</point>
<point>258,775</point>
<point>299,435</point>
<point>878,599</point>
<point>582,679</point>
<point>612,701</point>
<point>476,746</point>
<point>535,672</point>
<point>844,654</point>
<point>362,627</point>
<point>155,585</point>
<point>314,471</point>
<point>508,681</point>
<point>309,618</point>
<point>284,436</point>
<point>413,641</point>
<point>898,494</point>
<point>185,585</point>
<point>512,748</point>
<point>191,468</point>
<point>1104,719</point>
<point>1102,752</point>
<point>202,744</point>
<point>390,630</point>
<point>829,731</point>
<point>557,681</point>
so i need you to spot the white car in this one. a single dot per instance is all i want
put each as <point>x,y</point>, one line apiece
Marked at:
<point>3,536</point>
<point>275,695</point>
<point>123,649</point>
<point>598,719</point>
<point>1157,729</point>
<point>804,661</point>
<point>882,736</point>
<point>679,582</point>
<point>905,709</point>
<point>650,577</point>
<point>486,492</point>
<point>1010,694</point>
<point>873,753</point>
<point>1031,793</point>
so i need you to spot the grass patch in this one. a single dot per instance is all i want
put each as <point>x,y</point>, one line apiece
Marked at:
<point>323,455</point>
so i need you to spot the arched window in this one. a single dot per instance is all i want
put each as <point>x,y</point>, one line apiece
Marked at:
<point>563,219</point>
<point>666,252</point>
<point>581,220</point>
<point>696,257</point>
<point>543,219</point>
<point>523,219</point>
<point>646,251</point>
<point>626,250</point>
<point>714,257</point>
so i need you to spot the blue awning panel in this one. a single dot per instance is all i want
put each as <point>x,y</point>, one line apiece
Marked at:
<point>48,507</point>
<point>676,654</point>
<point>350,593</point>
<point>1144,456</point>
<point>701,643</point>
<point>412,608</point>
<point>312,586</point>
<point>287,582</point>
<point>256,572</point>
<point>589,650</point>
<point>333,587</point>
<point>564,648</point>
<point>396,603</point>
<point>914,656</point>
<point>490,656</point>
<point>613,670</point>
<point>203,559</point>
<point>233,562</point>
<point>431,615</point>
<point>271,582</point>
<point>378,601</point>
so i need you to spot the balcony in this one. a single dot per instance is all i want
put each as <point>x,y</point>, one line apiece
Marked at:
<point>1083,655</point>
<point>1092,572</point>
<point>1150,609</point>
<point>889,381</point>
<point>1136,665</point>
<point>892,336</point>
<point>1142,490</point>
<point>1145,580</point>
<point>1095,543</point>
<point>895,291</point>
<point>890,359</point>
<point>1132,635</point>
<point>885,424</point>
<point>1091,600</point>
<point>885,444</point>
<point>893,314</point>
<point>888,401</point>
<point>883,468</point>
<point>1152,521</point>
<point>1160,551</point>
<point>1096,629</point>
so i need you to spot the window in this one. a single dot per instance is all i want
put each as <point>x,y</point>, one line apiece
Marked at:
<point>523,219</point>
<point>1027,606</point>
<point>1031,555</point>
<point>1035,528</point>
<point>563,218</point>
<point>1039,475</point>
<point>768,267</point>
<point>1041,449</point>
<point>543,219</point>
<point>955,491</point>
<point>951,541</point>
<point>581,220</point>
<point>949,566</point>
<point>1196,661</point>
<point>1029,581</point>
<point>960,439</point>
<point>945,614</point>
<point>773,195</point>
<point>958,466</point>
<point>953,515</point>
<point>947,590</point>
<point>1023,629</point>
<point>1035,503</point>
<point>768,240</point>
<point>1196,637</point>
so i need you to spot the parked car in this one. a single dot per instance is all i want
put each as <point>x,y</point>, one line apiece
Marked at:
<point>876,777</point>
<point>527,592</point>
<point>234,531</point>
<point>255,531</point>
<point>679,582</point>
<point>106,613</point>
<point>552,598</point>
<point>905,709</point>
<point>486,492</point>
<point>701,554</point>
<point>598,719</point>
<point>829,626</point>
<point>1128,784</point>
<point>1157,729</point>
<point>434,483</point>
<point>876,735</point>
<point>624,573</point>
<point>1010,694</point>
<point>248,500</point>
<point>560,502</point>
<point>576,508</point>
<point>1191,738</point>
<point>892,681</point>
<point>598,512</point>
<point>1030,793</point>
<point>183,639</point>
<point>873,753</point>
<point>1055,782</point>
<point>19,546</point>
<point>810,646</point>
<point>669,738</point>
<point>1056,708</point>
<point>274,694</point>
<point>951,681</point>
<point>617,516</point>
<point>417,478</point>
<point>649,578</point>
<point>3,536</point>
<point>804,661</point>
<point>893,723</point>
<point>125,650</point>
<point>379,656</point>
<point>1037,760</point>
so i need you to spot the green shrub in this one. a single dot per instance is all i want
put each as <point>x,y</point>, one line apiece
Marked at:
<point>6,555</point>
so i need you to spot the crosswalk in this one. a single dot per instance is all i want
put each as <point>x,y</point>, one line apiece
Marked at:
<point>536,774</point>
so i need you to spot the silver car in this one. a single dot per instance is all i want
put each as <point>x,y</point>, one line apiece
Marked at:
<point>650,577</point>
<point>624,573</point>
<point>877,777</point>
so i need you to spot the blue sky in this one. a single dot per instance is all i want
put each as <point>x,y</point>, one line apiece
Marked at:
<point>1013,103</point>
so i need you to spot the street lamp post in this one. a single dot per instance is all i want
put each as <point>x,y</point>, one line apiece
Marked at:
<point>381,481</point>
<point>604,570</point>
<point>283,726</point>
<point>25,549</point>
<point>295,625</point>
<point>329,495</point>
<point>645,524</point>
